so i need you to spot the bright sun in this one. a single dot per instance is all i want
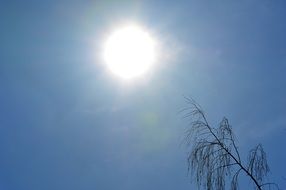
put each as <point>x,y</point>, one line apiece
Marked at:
<point>129,52</point>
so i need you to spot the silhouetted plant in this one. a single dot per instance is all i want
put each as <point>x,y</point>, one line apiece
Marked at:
<point>214,158</point>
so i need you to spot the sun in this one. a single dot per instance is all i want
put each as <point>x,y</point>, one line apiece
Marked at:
<point>129,52</point>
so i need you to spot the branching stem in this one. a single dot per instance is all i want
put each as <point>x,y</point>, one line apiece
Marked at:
<point>211,157</point>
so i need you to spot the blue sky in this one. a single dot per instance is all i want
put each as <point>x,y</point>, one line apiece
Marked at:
<point>67,123</point>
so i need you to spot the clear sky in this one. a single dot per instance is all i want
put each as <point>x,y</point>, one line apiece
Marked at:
<point>67,123</point>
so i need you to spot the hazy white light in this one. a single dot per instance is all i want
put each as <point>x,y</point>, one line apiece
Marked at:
<point>129,52</point>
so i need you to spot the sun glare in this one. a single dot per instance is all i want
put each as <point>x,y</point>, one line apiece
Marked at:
<point>129,52</point>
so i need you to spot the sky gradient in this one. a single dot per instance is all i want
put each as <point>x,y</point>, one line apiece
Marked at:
<point>67,123</point>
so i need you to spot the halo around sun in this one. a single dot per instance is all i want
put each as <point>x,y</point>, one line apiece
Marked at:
<point>129,52</point>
